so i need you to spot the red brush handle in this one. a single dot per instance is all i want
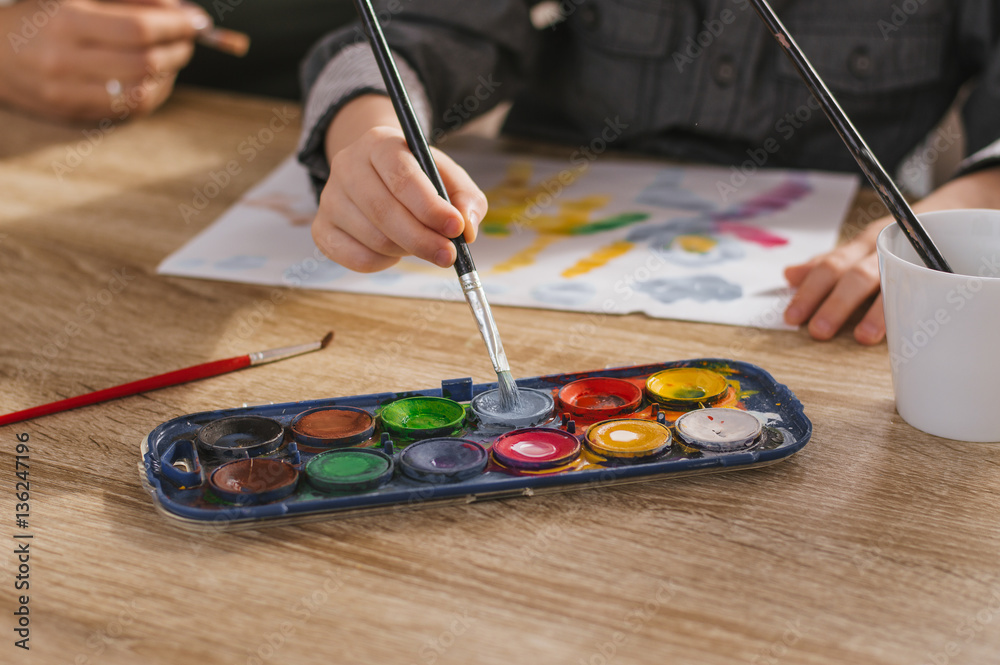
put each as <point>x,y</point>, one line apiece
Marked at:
<point>134,388</point>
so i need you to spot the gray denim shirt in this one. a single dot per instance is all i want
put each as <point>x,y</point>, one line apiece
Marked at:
<point>693,79</point>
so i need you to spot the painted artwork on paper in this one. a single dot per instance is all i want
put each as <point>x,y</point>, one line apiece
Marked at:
<point>609,236</point>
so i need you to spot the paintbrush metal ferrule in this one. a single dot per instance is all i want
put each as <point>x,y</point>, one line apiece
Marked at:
<point>476,297</point>
<point>274,355</point>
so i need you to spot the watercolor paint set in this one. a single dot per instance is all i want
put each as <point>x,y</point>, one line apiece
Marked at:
<point>281,463</point>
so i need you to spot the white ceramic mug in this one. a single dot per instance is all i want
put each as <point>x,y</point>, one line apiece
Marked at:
<point>943,329</point>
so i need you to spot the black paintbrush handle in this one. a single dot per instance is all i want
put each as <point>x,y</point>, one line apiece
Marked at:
<point>408,119</point>
<point>870,166</point>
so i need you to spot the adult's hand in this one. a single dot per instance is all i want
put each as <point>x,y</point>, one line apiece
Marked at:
<point>87,60</point>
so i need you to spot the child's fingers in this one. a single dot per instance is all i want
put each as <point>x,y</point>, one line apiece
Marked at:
<point>383,212</point>
<point>822,278</point>
<point>345,250</point>
<point>389,229</point>
<point>351,220</point>
<point>855,286</point>
<point>871,330</point>
<point>406,183</point>
<point>465,194</point>
<point>797,273</point>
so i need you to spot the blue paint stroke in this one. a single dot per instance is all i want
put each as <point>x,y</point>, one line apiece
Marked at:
<point>241,262</point>
<point>566,294</point>
<point>494,288</point>
<point>385,277</point>
<point>313,271</point>
<point>700,288</point>
<point>663,234</point>
<point>666,191</point>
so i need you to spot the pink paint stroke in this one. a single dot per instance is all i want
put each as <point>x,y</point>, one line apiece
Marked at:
<point>766,203</point>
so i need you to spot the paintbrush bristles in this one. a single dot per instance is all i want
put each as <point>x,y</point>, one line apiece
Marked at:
<point>507,390</point>
<point>325,342</point>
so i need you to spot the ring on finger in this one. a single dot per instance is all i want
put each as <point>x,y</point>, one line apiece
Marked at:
<point>116,93</point>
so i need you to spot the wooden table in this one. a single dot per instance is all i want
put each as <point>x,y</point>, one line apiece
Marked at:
<point>875,544</point>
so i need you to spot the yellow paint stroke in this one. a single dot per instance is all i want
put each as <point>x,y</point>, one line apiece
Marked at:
<point>695,244</point>
<point>516,204</point>
<point>598,259</point>
<point>526,256</point>
<point>418,267</point>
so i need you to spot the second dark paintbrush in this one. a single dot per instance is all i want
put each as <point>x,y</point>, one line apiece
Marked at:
<point>870,166</point>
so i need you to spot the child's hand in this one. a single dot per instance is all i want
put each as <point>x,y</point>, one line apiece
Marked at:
<point>92,60</point>
<point>378,205</point>
<point>832,286</point>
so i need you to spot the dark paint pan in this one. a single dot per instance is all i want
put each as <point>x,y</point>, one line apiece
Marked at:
<point>238,437</point>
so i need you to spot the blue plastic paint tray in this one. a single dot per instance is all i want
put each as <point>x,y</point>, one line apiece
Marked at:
<point>256,466</point>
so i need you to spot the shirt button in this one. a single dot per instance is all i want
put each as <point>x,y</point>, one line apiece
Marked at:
<point>590,16</point>
<point>860,63</point>
<point>724,71</point>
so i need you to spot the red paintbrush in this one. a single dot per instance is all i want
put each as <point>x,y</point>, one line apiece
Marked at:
<point>174,378</point>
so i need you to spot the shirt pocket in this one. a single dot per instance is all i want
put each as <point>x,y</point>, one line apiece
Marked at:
<point>615,57</point>
<point>868,63</point>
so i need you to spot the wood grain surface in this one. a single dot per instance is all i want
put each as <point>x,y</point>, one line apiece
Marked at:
<point>876,544</point>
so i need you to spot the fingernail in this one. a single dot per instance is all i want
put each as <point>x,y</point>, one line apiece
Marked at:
<point>198,19</point>
<point>473,227</point>
<point>868,330</point>
<point>443,258</point>
<point>822,327</point>
<point>453,227</point>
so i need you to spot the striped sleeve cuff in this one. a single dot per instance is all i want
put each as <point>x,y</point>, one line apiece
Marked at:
<point>351,73</point>
<point>985,158</point>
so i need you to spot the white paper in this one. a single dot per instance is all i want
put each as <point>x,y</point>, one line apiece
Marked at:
<point>692,243</point>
